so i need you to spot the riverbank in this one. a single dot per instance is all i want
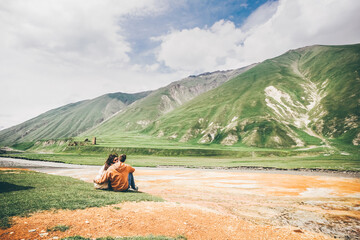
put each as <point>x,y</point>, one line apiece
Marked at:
<point>302,204</point>
<point>24,163</point>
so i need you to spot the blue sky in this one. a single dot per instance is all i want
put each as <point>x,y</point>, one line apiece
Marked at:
<point>139,30</point>
<point>55,52</point>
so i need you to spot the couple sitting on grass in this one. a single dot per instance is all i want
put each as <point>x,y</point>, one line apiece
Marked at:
<point>116,175</point>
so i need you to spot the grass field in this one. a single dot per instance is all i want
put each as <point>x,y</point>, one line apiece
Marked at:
<point>313,161</point>
<point>20,192</point>
<point>145,151</point>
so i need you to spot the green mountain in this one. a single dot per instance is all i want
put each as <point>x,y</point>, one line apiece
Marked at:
<point>69,120</point>
<point>304,97</point>
<point>163,101</point>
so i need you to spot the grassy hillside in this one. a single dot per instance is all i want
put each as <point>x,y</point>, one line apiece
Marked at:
<point>307,98</point>
<point>303,97</point>
<point>69,120</point>
<point>162,101</point>
<point>337,67</point>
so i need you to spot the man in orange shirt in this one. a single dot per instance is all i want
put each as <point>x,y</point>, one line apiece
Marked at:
<point>119,175</point>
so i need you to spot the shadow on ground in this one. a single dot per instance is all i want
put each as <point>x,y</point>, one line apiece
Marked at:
<point>9,187</point>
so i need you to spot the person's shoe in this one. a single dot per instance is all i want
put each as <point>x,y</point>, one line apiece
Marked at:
<point>136,188</point>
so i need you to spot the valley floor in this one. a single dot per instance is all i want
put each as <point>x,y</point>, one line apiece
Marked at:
<point>209,204</point>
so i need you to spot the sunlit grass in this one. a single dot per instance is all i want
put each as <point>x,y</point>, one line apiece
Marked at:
<point>305,160</point>
<point>24,192</point>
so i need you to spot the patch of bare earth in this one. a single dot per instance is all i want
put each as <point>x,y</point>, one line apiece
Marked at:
<point>210,204</point>
<point>144,218</point>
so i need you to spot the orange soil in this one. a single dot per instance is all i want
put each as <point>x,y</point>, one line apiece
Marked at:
<point>202,205</point>
<point>7,169</point>
<point>145,218</point>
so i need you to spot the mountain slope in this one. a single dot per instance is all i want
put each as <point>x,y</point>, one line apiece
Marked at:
<point>162,101</point>
<point>300,98</point>
<point>69,120</point>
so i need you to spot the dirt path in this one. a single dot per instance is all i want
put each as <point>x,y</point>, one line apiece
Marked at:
<point>212,204</point>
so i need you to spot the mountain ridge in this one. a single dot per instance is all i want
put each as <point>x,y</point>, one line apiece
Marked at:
<point>69,120</point>
<point>164,100</point>
<point>275,104</point>
<point>305,97</point>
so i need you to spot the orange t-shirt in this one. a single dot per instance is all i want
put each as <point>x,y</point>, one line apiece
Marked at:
<point>117,175</point>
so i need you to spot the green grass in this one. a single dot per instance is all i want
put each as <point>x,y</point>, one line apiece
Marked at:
<point>310,140</point>
<point>23,146</point>
<point>69,120</point>
<point>152,107</point>
<point>150,237</point>
<point>270,159</point>
<point>143,151</point>
<point>242,96</point>
<point>25,192</point>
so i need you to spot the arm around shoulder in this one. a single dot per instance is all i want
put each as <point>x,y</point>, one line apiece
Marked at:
<point>103,178</point>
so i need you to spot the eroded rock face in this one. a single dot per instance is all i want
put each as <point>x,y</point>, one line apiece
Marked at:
<point>231,139</point>
<point>183,91</point>
<point>356,140</point>
<point>48,143</point>
<point>143,123</point>
<point>351,122</point>
<point>166,104</point>
<point>303,113</point>
<point>190,134</point>
<point>299,113</point>
<point>210,133</point>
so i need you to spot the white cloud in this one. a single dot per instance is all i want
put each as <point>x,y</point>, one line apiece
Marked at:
<point>69,31</point>
<point>199,50</point>
<point>261,15</point>
<point>54,52</point>
<point>57,52</point>
<point>270,31</point>
<point>304,22</point>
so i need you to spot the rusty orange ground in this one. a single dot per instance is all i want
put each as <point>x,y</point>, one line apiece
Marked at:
<point>204,204</point>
